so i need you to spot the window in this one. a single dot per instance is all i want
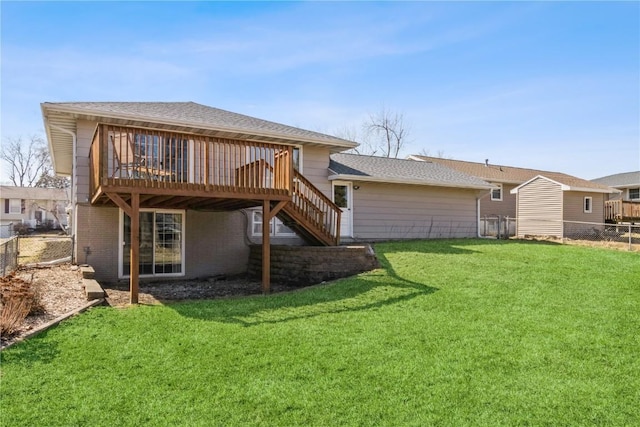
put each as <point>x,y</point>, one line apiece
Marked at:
<point>634,193</point>
<point>276,228</point>
<point>588,204</point>
<point>297,159</point>
<point>496,193</point>
<point>13,206</point>
<point>161,243</point>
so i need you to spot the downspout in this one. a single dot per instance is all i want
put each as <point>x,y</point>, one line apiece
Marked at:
<point>478,215</point>
<point>73,178</point>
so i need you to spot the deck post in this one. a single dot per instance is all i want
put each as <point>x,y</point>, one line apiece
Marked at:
<point>135,248</point>
<point>266,247</point>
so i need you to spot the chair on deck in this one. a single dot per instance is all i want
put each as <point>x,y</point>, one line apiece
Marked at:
<point>132,164</point>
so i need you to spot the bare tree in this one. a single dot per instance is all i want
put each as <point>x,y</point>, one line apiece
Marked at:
<point>26,160</point>
<point>388,131</point>
<point>383,134</point>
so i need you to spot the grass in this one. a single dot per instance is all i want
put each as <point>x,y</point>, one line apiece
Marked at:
<point>456,332</point>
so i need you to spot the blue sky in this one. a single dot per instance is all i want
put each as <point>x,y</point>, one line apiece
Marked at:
<point>545,85</point>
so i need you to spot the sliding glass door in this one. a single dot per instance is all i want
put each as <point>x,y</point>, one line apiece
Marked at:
<point>161,243</point>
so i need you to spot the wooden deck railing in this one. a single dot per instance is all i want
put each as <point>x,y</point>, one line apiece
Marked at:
<point>620,210</point>
<point>135,157</point>
<point>315,209</point>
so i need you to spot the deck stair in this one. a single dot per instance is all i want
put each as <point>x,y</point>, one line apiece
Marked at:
<point>311,214</point>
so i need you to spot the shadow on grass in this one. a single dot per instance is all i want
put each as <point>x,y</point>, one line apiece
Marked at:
<point>372,290</point>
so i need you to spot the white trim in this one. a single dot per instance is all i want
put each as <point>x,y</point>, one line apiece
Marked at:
<point>273,226</point>
<point>349,208</point>
<point>565,187</point>
<point>498,187</point>
<point>121,214</point>
<point>584,204</point>
<point>629,193</point>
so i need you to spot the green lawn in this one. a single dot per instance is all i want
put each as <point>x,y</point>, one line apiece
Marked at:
<point>451,333</point>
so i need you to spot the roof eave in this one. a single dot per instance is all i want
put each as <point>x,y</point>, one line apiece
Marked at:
<point>194,125</point>
<point>368,178</point>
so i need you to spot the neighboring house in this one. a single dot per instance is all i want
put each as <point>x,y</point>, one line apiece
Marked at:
<point>545,206</point>
<point>181,189</point>
<point>32,207</point>
<point>625,205</point>
<point>503,200</point>
<point>383,198</point>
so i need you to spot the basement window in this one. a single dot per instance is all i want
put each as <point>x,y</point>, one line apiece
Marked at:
<point>588,204</point>
<point>276,228</point>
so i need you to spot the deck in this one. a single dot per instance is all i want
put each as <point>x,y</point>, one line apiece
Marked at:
<point>134,168</point>
<point>616,211</point>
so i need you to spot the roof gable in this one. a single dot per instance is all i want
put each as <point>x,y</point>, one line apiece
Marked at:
<point>564,186</point>
<point>388,170</point>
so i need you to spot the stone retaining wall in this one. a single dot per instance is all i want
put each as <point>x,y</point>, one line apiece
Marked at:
<point>307,265</point>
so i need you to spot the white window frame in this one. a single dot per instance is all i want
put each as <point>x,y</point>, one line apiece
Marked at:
<point>496,199</point>
<point>13,203</point>
<point>272,227</point>
<point>300,158</point>
<point>587,204</point>
<point>629,193</point>
<point>125,275</point>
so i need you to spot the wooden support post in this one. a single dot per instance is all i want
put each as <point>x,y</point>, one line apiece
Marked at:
<point>134,273</point>
<point>266,247</point>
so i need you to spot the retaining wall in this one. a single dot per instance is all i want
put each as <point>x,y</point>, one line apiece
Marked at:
<point>307,265</point>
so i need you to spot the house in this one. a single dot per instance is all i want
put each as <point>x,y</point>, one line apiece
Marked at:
<point>384,198</point>
<point>504,200</point>
<point>33,207</point>
<point>625,205</point>
<point>180,189</point>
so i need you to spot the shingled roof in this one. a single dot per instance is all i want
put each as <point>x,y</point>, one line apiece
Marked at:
<point>356,167</point>
<point>620,180</point>
<point>513,175</point>
<point>60,119</point>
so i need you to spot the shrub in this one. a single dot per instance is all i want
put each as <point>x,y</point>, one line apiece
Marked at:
<point>18,299</point>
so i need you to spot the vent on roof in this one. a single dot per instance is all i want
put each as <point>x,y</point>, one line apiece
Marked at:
<point>486,163</point>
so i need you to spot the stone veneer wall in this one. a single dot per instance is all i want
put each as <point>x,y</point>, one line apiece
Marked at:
<point>307,265</point>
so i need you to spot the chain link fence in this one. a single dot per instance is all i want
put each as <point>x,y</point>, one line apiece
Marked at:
<point>8,255</point>
<point>43,248</point>
<point>609,235</point>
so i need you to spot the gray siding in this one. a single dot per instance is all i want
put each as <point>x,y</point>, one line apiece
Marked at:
<point>395,211</point>
<point>574,207</point>
<point>214,242</point>
<point>315,161</point>
<point>85,130</point>
<point>540,209</point>
<point>505,207</point>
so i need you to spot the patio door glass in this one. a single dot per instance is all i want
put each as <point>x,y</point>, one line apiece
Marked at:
<point>161,243</point>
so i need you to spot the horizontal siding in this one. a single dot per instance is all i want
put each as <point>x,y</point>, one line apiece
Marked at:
<point>393,211</point>
<point>574,207</point>
<point>505,207</point>
<point>315,164</point>
<point>85,130</point>
<point>539,209</point>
